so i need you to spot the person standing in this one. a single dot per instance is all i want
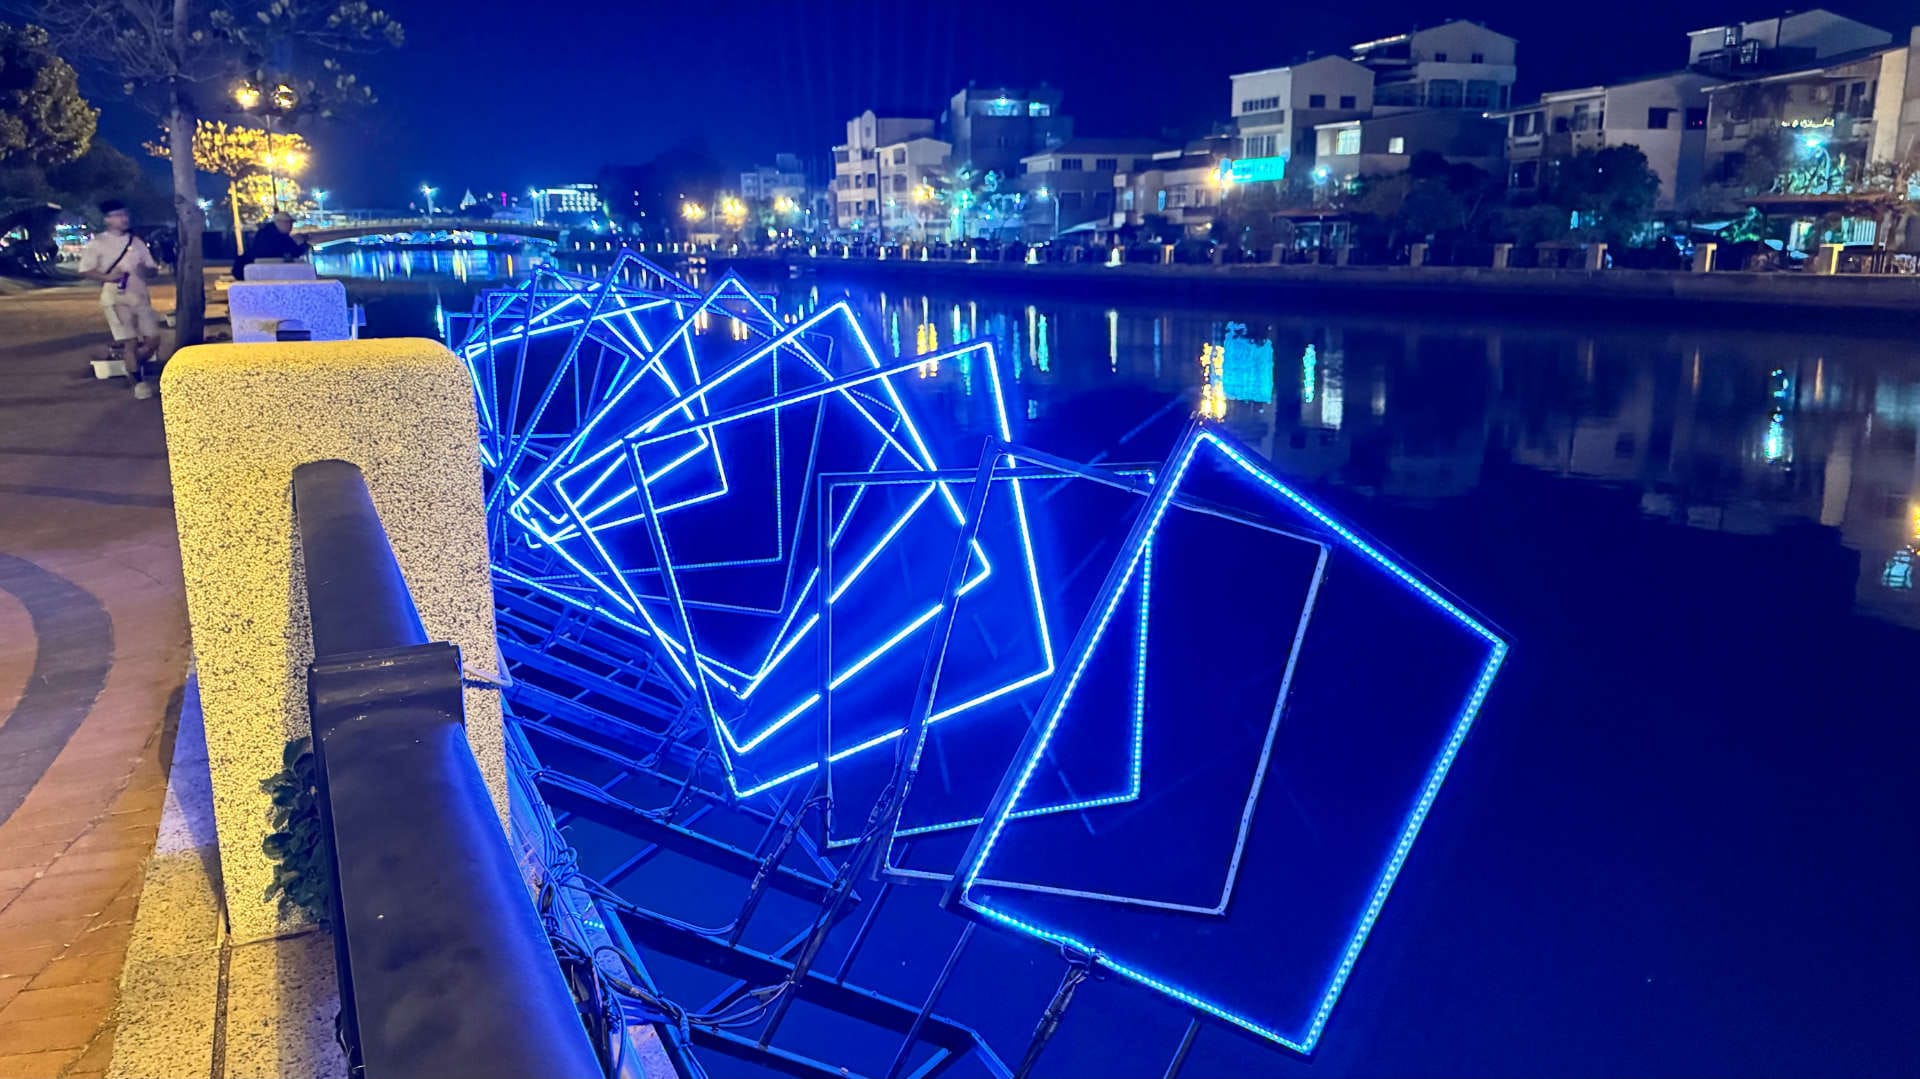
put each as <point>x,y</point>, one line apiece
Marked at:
<point>120,261</point>
<point>275,240</point>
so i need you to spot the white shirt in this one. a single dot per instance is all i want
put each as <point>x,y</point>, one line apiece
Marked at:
<point>100,252</point>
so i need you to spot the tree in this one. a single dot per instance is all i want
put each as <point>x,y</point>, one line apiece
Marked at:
<point>243,155</point>
<point>43,118</point>
<point>1611,190</point>
<point>182,58</point>
<point>1886,193</point>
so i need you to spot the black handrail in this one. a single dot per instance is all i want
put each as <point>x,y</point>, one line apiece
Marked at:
<point>444,966</point>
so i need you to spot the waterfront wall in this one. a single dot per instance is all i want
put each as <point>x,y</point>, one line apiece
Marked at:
<point>1554,293</point>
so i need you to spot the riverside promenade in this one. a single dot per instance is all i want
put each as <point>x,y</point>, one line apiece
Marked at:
<point>93,657</point>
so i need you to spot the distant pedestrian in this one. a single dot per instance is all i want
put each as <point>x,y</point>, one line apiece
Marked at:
<point>120,261</point>
<point>275,240</point>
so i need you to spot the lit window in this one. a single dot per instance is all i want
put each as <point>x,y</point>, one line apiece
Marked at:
<point>1347,141</point>
<point>1039,108</point>
<point>1731,37</point>
<point>1397,144</point>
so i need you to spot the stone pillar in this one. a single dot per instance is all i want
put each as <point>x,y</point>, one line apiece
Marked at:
<point>1217,255</point>
<point>1279,254</point>
<point>1116,255</point>
<point>1829,259</point>
<point>1596,256</point>
<point>1166,254</point>
<point>1343,254</point>
<point>1417,255</point>
<point>1502,256</point>
<point>238,419</point>
<point>1703,257</point>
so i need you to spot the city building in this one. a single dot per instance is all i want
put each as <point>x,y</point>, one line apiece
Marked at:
<point>911,173</point>
<point>1071,187</point>
<point>554,203</point>
<point>1275,111</point>
<point>1180,186</point>
<point>1797,142</point>
<point>856,166</point>
<point>1780,43</point>
<point>1456,65</point>
<point>785,177</point>
<point>1387,142</point>
<point>1664,115</point>
<point>992,128</point>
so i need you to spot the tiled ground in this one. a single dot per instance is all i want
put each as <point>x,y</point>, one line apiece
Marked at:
<point>93,653</point>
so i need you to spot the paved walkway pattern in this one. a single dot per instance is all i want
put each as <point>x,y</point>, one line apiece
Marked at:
<point>93,654</point>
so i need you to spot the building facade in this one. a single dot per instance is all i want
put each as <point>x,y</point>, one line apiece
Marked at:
<point>785,177</point>
<point>992,128</point>
<point>856,166</point>
<point>1275,112</point>
<point>1456,65</point>
<point>911,173</point>
<point>567,200</point>
<point>1780,43</point>
<point>1071,186</point>
<point>1179,186</point>
<point>1816,129</point>
<point>1664,115</point>
<point>1387,142</point>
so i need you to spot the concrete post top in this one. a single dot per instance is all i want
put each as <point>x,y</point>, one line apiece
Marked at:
<point>419,354</point>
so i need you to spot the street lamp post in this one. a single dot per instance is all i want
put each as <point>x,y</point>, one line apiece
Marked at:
<point>1046,195</point>
<point>429,192</point>
<point>271,106</point>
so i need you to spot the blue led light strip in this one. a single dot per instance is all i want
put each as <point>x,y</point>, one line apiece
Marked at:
<point>980,851</point>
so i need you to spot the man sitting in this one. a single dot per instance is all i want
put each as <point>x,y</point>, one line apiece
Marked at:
<point>275,240</point>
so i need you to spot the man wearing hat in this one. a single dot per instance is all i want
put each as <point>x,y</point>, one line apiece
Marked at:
<point>120,261</point>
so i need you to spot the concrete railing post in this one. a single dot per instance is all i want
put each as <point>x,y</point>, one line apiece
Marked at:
<point>1417,255</point>
<point>1704,256</point>
<point>1166,254</point>
<point>1597,256</point>
<point>1502,256</point>
<point>239,419</point>
<point>1829,259</point>
<point>1343,254</point>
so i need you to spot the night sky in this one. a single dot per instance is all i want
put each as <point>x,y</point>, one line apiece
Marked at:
<point>498,94</point>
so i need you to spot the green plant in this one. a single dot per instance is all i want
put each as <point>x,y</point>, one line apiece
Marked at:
<point>302,870</point>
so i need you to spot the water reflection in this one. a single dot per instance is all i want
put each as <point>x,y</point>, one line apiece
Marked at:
<point>462,265</point>
<point>1737,432</point>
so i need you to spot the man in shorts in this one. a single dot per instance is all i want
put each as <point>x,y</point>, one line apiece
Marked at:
<point>120,261</point>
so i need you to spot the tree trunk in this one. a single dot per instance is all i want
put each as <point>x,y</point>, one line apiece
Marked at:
<point>190,280</point>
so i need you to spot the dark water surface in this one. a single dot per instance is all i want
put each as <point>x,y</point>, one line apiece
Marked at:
<point>1683,836</point>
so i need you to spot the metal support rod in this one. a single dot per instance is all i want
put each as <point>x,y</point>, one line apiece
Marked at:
<point>933,998</point>
<point>866,927</point>
<point>758,889</point>
<point>1186,1046</point>
<point>1050,1019</point>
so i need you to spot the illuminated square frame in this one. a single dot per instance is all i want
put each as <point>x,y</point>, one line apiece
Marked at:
<point>959,897</point>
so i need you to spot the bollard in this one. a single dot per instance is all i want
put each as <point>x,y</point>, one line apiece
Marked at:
<point>1417,255</point>
<point>1217,254</point>
<point>1343,254</point>
<point>1279,254</point>
<point>1502,256</point>
<point>1166,254</point>
<point>1703,257</point>
<point>1116,255</point>
<point>1829,263</point>
<point>1596,256</point>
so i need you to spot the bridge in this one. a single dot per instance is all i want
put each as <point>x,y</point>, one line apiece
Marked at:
<point>351,230</point>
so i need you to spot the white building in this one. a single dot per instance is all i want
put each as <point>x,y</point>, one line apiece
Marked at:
<point>856,166</point>
<point>1456,65</point>
<point>1779,43</point>
<point>1275,111</point>
<point>786,176</point>
<point>553,203</point>
<point>1664,115</point>
<point>911,172</point>
<point>1072,185</point>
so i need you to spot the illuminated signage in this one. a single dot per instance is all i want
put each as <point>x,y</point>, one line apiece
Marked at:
<point>1249,170</point>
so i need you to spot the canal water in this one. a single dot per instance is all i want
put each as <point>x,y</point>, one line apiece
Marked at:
<point>1684,836</point>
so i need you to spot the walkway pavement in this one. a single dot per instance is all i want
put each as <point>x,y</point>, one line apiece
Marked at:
<point>93,655</point>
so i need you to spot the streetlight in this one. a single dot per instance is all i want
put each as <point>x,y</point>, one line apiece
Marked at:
<point>281,101</point>
<point>1046,195</point>
<point>692,211</point>
<point>319,198</point>
<point>784,205</point>
<point>429,192</point>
